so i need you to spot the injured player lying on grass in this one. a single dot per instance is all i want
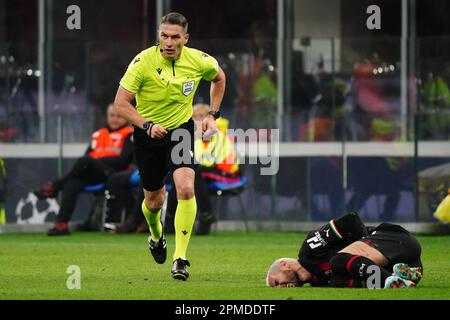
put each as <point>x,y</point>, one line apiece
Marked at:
<point>344,253</point>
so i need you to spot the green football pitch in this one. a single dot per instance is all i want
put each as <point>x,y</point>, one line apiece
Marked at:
<point>224,265</point>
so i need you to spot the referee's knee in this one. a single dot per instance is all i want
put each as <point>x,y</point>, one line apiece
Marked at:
<point>154,203</point>
<point>185,192</point>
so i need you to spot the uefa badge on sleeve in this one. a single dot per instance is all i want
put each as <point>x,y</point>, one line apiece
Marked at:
<point>188,87</point>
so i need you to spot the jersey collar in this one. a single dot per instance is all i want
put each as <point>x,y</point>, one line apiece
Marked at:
<point>164,60</point>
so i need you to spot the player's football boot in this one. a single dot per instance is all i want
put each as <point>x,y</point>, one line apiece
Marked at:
<point>158,249</point>
<point>59,229</point>
<point>179,270</point>
<point>395,282</point>
<point>406,272</point>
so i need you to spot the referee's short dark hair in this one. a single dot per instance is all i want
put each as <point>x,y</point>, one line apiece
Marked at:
<point>177,19</point>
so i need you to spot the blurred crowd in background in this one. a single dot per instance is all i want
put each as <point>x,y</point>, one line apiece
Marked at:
<point>342,81</point>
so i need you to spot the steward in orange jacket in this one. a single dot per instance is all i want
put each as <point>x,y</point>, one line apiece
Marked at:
<point>110,151</point>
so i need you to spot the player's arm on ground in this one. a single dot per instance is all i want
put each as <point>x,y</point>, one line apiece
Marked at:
<point>343,230</point>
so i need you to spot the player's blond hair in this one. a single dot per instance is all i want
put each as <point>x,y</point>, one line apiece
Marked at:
<point>274,269</point>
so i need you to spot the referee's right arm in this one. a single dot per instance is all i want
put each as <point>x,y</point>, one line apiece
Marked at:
<point>123,106</point>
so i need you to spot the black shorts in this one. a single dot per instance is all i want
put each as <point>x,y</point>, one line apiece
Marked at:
<point>154,156</point>
<point>396,244</point>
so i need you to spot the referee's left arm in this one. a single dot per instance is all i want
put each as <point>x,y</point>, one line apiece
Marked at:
<point>217,92</point>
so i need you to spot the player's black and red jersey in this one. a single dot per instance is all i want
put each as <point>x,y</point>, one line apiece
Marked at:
<point>321,245</point>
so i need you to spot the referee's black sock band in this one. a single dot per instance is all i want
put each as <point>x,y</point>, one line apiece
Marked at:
<point>357,267</point>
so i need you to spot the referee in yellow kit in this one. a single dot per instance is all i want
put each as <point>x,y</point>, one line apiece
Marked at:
<point>163,79</point>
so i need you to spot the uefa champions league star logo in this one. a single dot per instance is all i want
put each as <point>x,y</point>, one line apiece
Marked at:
<point>38,215</point>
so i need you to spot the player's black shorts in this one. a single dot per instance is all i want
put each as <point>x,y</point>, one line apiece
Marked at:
<point>396,244</point>
<point>154,156</point>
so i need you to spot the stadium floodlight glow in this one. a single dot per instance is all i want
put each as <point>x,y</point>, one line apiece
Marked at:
<point>231,56</point>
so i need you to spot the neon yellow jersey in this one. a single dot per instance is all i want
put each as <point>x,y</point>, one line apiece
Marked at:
<point>165,89</point>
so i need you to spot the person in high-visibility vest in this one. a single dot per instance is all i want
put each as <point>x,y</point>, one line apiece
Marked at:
<point>216,156</point>
<point>110,151</point>
<point>433,185</point>
<point>218,161</point>
<point>2,192</point>
<point>442,212</point>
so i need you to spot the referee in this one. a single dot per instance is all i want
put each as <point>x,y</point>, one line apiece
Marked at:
<point>163,80</point>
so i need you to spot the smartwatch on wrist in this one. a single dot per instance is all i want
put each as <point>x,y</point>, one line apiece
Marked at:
<point>146,125</point>
<point>215,114</point>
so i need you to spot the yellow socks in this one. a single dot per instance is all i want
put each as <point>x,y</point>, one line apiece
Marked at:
<point>184,221</point>
<point>153,221</point>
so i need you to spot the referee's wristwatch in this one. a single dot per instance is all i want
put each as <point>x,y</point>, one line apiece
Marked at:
<point>215,114</point>
<point>147,125</point>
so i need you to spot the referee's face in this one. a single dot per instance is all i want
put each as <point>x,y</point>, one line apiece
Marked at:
<point>172,38</point>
